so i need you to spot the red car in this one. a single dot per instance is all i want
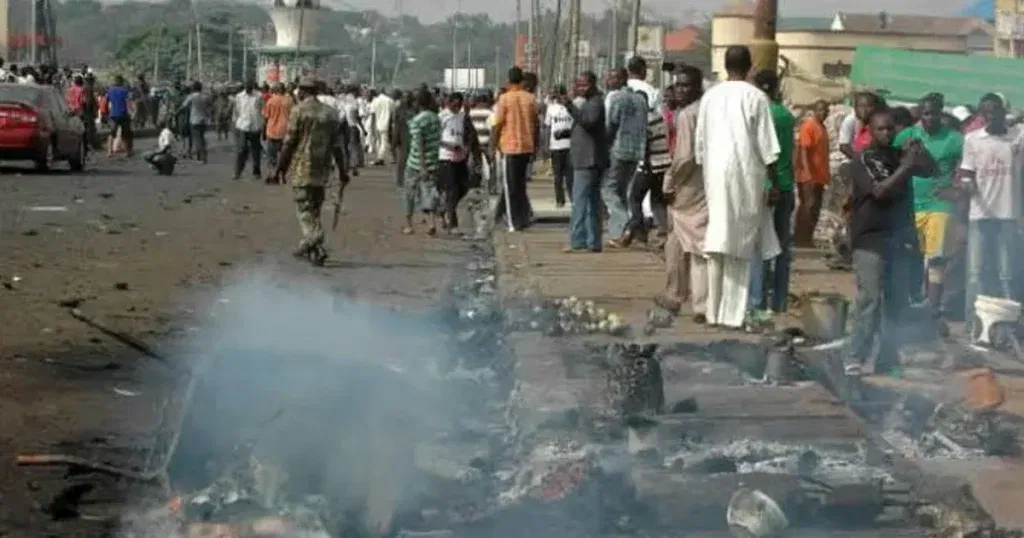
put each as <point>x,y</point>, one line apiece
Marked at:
<point>37,125</point>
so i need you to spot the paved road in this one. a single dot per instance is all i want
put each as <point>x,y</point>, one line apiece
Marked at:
<point>144,254</point>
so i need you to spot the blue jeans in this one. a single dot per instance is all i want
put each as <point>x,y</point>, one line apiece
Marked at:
<point>992,240</point>
<point>614,187</point>
<point>777,267</point>
<point>585,220</point>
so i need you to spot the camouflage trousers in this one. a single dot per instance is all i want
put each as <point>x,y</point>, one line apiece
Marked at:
<point>308,203</point>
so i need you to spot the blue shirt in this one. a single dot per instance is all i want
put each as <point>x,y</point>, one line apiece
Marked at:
<point>627,126</point>
<point>117,99</point>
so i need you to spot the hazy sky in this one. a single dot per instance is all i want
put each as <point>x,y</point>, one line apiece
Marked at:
<point>432,10</point>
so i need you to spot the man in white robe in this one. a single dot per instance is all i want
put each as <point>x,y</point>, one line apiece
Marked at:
<point>735,144</point>
<point>381,109</point>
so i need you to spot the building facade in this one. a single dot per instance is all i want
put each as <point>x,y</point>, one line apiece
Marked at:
<point>1009,23</point>
<point>816,54</point>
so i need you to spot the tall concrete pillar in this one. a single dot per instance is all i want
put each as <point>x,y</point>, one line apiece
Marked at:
<point>764,48</point>
<point>5,29</point>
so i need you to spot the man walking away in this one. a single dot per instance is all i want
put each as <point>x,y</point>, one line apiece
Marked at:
<point>514,132</point>
<point>119,101</point>
<point>356,132</point>
<point>90,111</point>
<point>813,173</point>
<point>735,143</point>
<point>480,116</point>
<point>248,126</point>
<point>400,133</point>
<point>453,178</point>
<point>589,160</point>
<point>309,149</point>
<point>648,180</point>
<point>223,112</point>
<point>559,125</point>
<point>419,184</point>
<point>686,268</point>
<point>276,113</point>
<point>626,125</point>
<point>782,209</point>
<point>993,160</point>
<point>382,108</point>
<point>199,105</point>
<point>934,198</point>
<point>882,237</point>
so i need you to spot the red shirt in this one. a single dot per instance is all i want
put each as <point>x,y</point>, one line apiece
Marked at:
<point>670,122</point>
<point>75,96</point>
<point>862,139</point>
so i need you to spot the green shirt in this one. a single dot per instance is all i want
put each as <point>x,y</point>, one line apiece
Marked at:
<point>785,124</point>
<point>425,127</point>
<point>945,147</point>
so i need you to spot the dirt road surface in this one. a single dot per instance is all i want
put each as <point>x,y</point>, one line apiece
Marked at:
<point>144,255</point>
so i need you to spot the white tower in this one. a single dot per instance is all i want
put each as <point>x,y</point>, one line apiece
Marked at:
<point>296,23</point>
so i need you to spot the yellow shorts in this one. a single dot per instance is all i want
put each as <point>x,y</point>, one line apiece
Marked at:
<point>931,233</point>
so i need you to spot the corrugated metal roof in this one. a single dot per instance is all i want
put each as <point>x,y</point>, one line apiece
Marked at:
<point>804,23</point>
<point>908,75</point>
<point>910,24</point>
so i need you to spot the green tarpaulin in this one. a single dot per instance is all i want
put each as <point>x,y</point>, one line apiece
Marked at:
<point>908,75</point>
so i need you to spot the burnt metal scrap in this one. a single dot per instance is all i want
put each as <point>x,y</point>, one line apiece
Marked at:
<point>564,316</point>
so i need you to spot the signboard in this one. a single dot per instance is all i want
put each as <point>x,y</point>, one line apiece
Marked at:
<point>650,42</point>
<point>1010,25</point>
<point>465,78</point>
<point>583,49</point>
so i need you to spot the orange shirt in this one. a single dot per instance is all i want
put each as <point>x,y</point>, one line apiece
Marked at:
<point>276,112</point>
<point>517,115</point>
<point>813,140</point>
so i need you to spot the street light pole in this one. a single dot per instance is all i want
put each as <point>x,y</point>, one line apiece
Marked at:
<point>763,47</point>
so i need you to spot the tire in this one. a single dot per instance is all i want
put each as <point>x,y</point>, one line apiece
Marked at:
<point>44,163</point>
<point>77,163</point>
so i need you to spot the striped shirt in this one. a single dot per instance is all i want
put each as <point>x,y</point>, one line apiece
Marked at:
<point>424,128</point>
<point>658,156</point>
<point>517,117</point>
<point>481,118</point>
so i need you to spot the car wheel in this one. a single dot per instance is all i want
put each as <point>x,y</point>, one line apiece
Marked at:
<point>77,163</point>
<point>45,161</point>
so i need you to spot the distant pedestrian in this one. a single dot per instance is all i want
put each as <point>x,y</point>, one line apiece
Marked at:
<point>248,129</point>
<point>813,172</point>
<point>514,132</point>
<point>310,148</point>
<point>558,122</point>
<point>276,113</point>
<point>453,174</point>
<point>626,126</point>
<point>199,106</point>
<point>686,269</point>
<point>118,99</point>
<point>419,184</point>
<point>589,159</point>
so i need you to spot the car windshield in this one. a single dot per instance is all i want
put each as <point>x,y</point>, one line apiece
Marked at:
<point>19,93</point>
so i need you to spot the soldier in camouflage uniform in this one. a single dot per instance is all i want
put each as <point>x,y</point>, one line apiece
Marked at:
<point>306,158</point>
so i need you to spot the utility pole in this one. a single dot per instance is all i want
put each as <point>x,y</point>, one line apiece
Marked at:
<point>245,55</point>
<point>188,62</point>
<point>199,40</point>
<point>497,66</point>
<point>529,37</point>
<point>763,47</point>
<point>613,59</point>
<point>635,25</point>
<point>553,74</point>
<point>455,47</point>
<point>575,22</point>
<point>398,54</point>
<point>34,24</point>
<point>373,58</point>
<point>469,64</point>
<point>231,55</point>
<point>156,55</point>
<point>519,27</point>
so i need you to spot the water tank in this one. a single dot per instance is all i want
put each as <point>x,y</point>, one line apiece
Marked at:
<point>291,23</point>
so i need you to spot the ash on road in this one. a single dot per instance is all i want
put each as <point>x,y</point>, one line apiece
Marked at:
<point>143,255</point>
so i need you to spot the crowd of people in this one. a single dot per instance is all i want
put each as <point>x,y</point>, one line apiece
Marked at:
<point>733,179</point>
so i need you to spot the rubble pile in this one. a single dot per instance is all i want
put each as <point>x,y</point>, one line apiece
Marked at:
<point>565,316</point>
<point>919,428</point>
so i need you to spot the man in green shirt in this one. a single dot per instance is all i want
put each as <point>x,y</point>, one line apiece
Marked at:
<point>421,164</point>
<point>782,209</point>
<point>934,195</point>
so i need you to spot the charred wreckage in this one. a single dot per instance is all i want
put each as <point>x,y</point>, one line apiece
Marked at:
<point>623,468</point>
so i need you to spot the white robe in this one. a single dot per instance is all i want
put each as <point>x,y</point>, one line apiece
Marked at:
<point>735,143</point>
